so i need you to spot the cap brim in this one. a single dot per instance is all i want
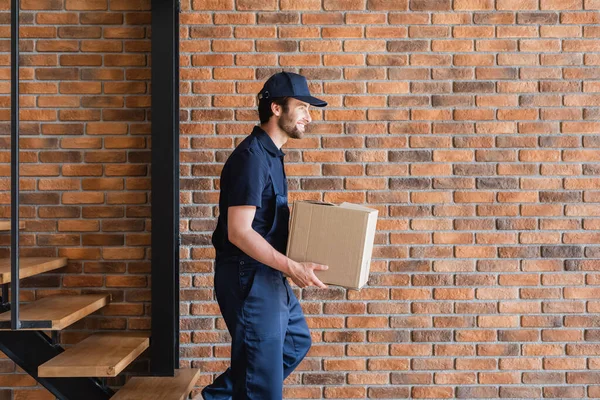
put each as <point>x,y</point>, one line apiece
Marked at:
<point>313,101</point>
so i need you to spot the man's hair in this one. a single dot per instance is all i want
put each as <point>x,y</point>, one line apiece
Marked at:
<point>264,108</point>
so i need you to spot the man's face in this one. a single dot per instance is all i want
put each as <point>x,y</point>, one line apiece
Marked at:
<point>294,118</point>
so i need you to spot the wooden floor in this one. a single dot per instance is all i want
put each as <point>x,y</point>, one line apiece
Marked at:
<point>100,355</point>
<point>160,388</point>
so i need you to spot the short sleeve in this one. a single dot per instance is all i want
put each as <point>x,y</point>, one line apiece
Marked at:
<point>248,176</point>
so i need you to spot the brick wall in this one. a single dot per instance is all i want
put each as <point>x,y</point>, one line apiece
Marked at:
<point>471,125</point>
<point>85,136</point>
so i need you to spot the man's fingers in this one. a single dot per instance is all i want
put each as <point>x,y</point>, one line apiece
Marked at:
<point>319,284</point>
<point>320,267</point>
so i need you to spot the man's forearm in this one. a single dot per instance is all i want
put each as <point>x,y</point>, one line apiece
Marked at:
<point>254,245</point>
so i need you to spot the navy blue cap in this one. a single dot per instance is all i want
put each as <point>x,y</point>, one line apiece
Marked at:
<point>289,84</point>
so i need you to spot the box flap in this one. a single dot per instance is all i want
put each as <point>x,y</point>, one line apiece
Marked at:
<point>358,207</point>
<point>368,252</point>
<point>323,203</point>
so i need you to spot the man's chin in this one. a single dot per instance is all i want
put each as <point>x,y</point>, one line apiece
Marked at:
<point>296,134</point>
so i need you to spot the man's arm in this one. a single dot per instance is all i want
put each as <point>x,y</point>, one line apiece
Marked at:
<point>242,235</point>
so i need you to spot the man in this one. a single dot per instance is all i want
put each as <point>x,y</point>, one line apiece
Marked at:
<point>269,335</point>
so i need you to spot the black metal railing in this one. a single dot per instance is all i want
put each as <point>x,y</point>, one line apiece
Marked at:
<point>14,166</point>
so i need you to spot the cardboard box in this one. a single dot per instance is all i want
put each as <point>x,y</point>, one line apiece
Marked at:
<point>340,236</point>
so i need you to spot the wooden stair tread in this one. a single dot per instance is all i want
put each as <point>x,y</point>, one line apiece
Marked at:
<point>29,266</point>
<point>59,311</point>
<point>159,388</point>
<point>100,355</point>
<point>5,225</point>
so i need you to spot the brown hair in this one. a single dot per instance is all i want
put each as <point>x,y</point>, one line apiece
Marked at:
<point>264,107</point>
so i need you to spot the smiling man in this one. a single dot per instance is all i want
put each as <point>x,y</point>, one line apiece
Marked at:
<point>269,335</point>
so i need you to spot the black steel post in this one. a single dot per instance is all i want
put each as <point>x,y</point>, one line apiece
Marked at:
<point>164,347</point>
<point>14,164</point>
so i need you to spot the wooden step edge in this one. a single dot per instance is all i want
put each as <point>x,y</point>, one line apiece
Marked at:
<point>135,353</point>
<point>55,312</point>
<point>5,225</point>
<point>177,387</point>
<point>30,266</point>
<point>93,356</point>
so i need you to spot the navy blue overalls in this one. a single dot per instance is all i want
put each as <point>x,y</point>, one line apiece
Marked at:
<point>269,334</point>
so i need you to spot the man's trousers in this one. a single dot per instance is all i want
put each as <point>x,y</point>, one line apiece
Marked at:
<point>268,331</point>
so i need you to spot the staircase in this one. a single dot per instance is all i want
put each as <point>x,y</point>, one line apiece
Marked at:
<point>101,355</point>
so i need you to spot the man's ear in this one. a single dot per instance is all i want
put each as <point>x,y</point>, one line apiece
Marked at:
<point>276,109</point>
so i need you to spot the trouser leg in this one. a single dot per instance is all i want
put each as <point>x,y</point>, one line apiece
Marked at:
<point>254,304</point>
<point>297,339</point>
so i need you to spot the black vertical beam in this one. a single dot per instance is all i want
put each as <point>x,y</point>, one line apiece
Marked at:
<point>14,164</point>
<point>164,348</point>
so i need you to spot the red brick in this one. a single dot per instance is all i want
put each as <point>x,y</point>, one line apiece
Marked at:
<point>212,5</point>
<point>473,32</point>
<point>387,5</point>
<point>130,5</point>
<point>473,5</point>
<point>247,5</point>
<point>517,5</point>
<point>473,59</point>
<point>561,5</point>
<point>367,18</point>
<point>79,5</point>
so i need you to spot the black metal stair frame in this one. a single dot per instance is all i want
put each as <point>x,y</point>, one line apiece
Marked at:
<point>31,348</point>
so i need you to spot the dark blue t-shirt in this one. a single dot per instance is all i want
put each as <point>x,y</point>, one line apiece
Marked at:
<point>248,178</point>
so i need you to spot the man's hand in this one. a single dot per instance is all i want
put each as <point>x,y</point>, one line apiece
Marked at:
<point>242,235</point>
<point>303,274</point>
